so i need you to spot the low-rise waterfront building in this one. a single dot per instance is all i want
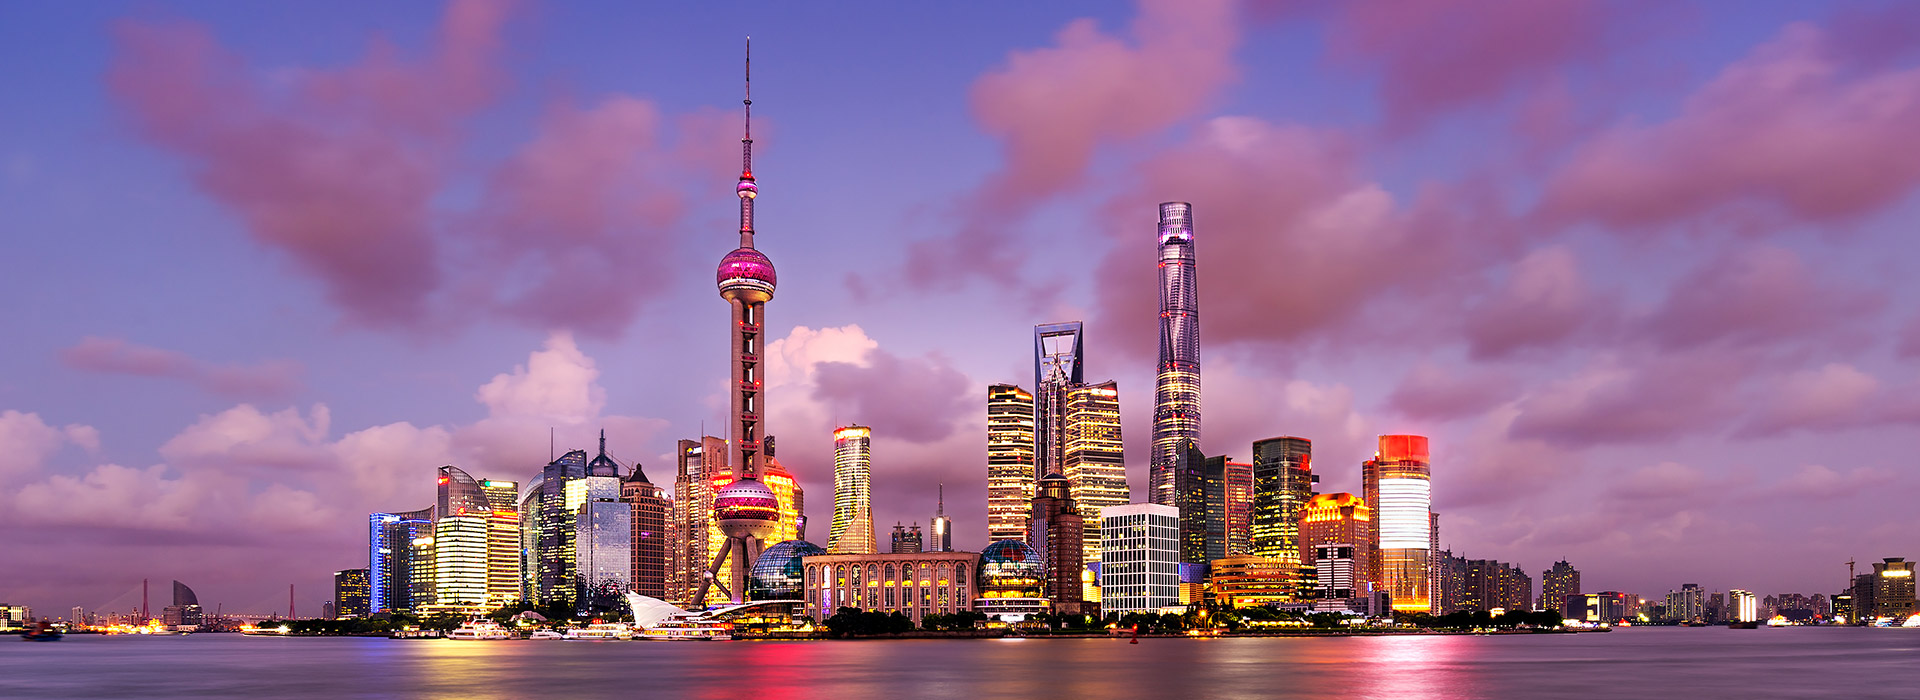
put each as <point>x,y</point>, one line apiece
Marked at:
<point>915,584</point>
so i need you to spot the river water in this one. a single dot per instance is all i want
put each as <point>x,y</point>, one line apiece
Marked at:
<point>1690,663</point>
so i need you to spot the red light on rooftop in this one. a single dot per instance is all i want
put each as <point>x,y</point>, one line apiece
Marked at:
<point>1403,447</point>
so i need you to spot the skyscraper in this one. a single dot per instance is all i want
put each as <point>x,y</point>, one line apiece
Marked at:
<point>1282,484</point>
<point>602,548</point>
<point>394,571</point>
<point>1239,508</point>
<point>1401,476</point>
<point>1095,461</point>
<point>1010,466</point>
<point>1140,559</point>
<point>551,505</point>
<point>748,511</point>
<point>1056,367</point>
<point>691,530</point>
<point>503,541</point>
<point>1198,484</point>
<point>651,510</point>
<point>1058,534</point>
<point>942,526</point>
<point>852,531</point>
<point>1176,392</point>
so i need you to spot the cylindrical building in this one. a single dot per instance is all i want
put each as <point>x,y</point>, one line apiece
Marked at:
<point>852,531</point>
<point>1401,476</point>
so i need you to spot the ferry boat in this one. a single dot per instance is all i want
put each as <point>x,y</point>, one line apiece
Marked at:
<point>546,634</point>
<point>481,629</point>
<point>414,633</point>
<point>601,631</point>
<point>688,631</point>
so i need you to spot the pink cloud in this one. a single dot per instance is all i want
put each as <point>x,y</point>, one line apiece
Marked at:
<point>273,379</point>
<point>1437,56</point>
<point>336,168</point>
<point>916,399</point>
<point>1052,107</point>
<point>1616,399</point>
<point>26,441</point>
<point>1754,296</point>
<point>343,170</point>
<point>1434,393</point>
<point>1789,129</point>
<point>1545,301</point>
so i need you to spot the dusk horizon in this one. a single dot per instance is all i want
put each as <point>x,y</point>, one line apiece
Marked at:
<point>1631,268</point>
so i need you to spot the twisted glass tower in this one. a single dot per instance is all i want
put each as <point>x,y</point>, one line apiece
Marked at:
<point>1176,391</point>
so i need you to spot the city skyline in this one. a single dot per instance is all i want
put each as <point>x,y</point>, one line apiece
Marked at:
<point>291,401</point>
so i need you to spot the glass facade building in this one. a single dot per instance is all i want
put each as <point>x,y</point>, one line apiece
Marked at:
<point>1339,519</point>
<point>1176,392</point>
<point>352,596</point>
<point>1057,366</point>
<point>1096,464</point>
<point>1140,564</point>
<point>602,525</point>
<point>650,511</point>
<point>780,572</point>
<point>1010,465</point>
<point>1282,485</point>
<point>397,570</point>
<point>852,531</point>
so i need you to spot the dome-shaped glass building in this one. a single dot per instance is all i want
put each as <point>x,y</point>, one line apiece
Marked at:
<point>1011,569</point>
<point>777,574</point>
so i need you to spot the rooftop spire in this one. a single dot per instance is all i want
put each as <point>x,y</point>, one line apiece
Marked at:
<point>603,442</point>
<point>942,509</point>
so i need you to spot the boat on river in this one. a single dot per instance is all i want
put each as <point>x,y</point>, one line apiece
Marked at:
<point>481,630</point>
<point>601,631</point>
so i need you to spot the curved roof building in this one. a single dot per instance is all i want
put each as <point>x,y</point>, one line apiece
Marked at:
<point>778,574</point>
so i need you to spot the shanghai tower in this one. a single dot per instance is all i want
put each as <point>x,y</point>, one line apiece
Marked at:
<point>1176,390</point>
<point>748,512</point>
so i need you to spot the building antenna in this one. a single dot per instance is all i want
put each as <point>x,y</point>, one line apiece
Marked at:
<point>550,455</point>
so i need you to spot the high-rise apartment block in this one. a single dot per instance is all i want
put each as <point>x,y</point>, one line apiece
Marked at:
<point>1176,393</point>
<point>852,531</point>
<point>1556,585</point>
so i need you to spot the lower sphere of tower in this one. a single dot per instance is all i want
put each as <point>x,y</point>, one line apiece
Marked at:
<point>747,508</point>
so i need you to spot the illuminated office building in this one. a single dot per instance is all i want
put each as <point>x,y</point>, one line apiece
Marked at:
<point>504,557</point>
<point>915,585</point>
<point>1893,588</point>
<point>650,512</point>
<point>396,568</point>
<point>1095,462</point>
<point>1140,562</point>
<point>1239,508</point>
<point>460,564</point>
<point>351,593</point>
<point>1334,570</point>
<point>699,464</point>
<point>1058,534</point>
<point>547,529</point>
<point>185,610</point>
<point>1176,392</point>
<point>1010,465</point>
<point>1339,518</point>
<point>1742,606</point>
<point>1282,484</point>
<point>852,531</point>
<point>602,544</point>
<point>1399,487</point>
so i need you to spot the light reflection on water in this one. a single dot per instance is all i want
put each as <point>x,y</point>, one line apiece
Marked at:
<point>1668,662</point>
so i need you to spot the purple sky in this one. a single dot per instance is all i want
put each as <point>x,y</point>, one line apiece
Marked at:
<point>1636,267</point>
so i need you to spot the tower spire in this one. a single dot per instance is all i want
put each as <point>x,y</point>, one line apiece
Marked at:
<point>747,189</point>
<point>942,508</point>
<point>603,442</point>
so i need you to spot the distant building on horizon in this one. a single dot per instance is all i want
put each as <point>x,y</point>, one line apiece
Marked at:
<point>1140,562</point>
<point>185,610</point>
<point>906,541</point>
<point>852,531</point>
<point>1893,589</point>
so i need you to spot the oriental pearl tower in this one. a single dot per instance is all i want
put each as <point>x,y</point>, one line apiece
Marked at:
<point>747,511</point>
